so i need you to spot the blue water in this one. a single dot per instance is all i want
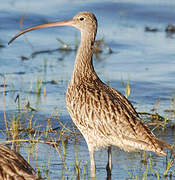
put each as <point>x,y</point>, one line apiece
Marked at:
<point>146,59</point>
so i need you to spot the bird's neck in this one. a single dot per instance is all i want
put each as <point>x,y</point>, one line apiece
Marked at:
<point>83,68</point>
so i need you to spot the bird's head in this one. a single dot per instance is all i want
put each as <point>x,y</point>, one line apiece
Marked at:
<point>84,21</point>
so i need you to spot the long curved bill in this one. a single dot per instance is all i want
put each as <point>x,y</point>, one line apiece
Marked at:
<point>52,24</point>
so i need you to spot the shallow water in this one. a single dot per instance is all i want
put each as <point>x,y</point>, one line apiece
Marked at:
<point>146,59</point>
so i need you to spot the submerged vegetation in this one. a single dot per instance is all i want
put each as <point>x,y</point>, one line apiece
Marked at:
<point>25,129</point>
<point>100,46</point>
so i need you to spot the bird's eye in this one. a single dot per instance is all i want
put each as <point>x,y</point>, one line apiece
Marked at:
<point>82,18</point>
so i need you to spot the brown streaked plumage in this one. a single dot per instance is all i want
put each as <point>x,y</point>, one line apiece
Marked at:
<point>102,114</point>
<point>14,167</point>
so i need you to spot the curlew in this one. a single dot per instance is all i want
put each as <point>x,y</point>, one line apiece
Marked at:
<point>102,114</point>
<point>13,166</point>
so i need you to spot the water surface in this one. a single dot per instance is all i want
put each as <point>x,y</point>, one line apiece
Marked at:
<point>146,59</point>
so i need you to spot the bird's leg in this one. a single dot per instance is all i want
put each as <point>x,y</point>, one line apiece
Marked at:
<point>109,165</point>
<point>93,167</point>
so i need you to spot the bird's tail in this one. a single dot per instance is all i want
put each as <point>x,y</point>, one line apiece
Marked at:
<point>164,144</point>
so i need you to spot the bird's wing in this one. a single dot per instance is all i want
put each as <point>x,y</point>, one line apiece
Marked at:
<point>114,115</point>
<point>13,165</point>
<point>95,107</point>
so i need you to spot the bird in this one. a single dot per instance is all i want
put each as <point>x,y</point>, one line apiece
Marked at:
<point>14,166</point>
<point>102,114</point>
